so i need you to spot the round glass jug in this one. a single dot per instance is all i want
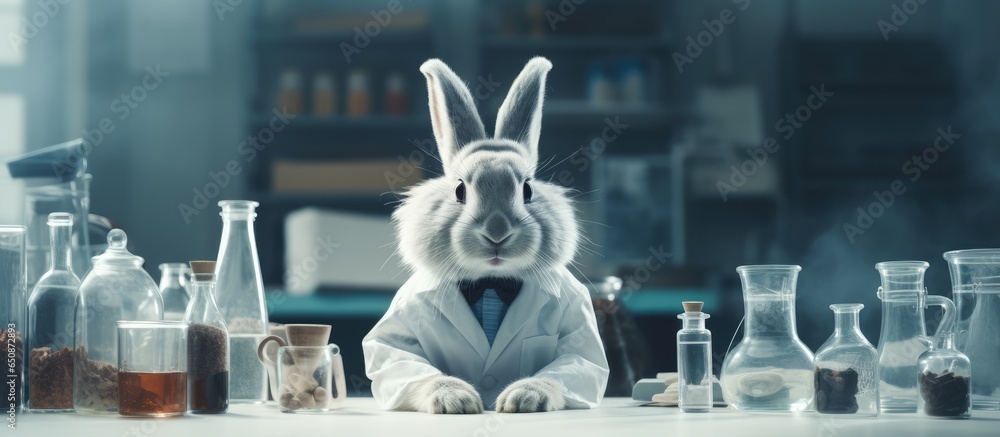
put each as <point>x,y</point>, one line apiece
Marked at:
<point>944,379</point>
<point>975,287</point>
<point>770,369</point>
<point>116,288</point>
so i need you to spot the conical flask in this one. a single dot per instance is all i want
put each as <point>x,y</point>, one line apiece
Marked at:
<point>240,295</point>
<point>770,369</point>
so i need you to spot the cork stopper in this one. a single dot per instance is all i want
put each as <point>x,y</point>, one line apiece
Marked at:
<point>693,306</point>
<point>203,270</point>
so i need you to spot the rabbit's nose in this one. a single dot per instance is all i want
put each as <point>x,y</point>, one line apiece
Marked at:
<point>497,228</point>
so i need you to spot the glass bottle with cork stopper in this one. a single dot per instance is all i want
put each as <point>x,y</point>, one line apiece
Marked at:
<point>208,345</point>
<point>694,360</point>
<point>51,309</point>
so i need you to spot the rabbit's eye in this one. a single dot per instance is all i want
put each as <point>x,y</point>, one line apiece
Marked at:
<point>460,192</point>
<point>527,192</point>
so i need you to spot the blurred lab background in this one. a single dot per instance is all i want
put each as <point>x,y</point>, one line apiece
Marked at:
<point>700,135</point>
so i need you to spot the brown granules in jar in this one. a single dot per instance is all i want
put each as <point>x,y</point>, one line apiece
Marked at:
<point>50,380</point>
<point>96,386</point>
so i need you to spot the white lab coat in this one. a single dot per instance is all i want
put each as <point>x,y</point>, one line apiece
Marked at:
<point>548,331</point>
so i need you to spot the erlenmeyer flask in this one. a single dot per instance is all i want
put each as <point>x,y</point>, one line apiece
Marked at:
<point>904,333</point>
<point>770,369</point>
<point>240,294</point>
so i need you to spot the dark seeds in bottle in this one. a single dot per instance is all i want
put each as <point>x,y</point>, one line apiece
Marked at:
<point>944,395</point>
<point>836,391</point>
<point>208,369</point>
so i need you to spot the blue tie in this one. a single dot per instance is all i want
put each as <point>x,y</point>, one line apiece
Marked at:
<point>490,311</point>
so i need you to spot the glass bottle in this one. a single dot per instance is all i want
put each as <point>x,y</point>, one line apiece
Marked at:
<point>694,360</point>
<point>240,293</point>
<point>770,368</point>
<point>13,298</point>
<point>173,289</point>
<point>944,380</point>
<point>975,288</point>
<point>208,345</point>
<point>116,288</point>
<point>904,333</point>
<point>51,310</point>
<point>846,379</point>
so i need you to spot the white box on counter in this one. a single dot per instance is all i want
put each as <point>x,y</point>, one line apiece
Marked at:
<point>336,249</point>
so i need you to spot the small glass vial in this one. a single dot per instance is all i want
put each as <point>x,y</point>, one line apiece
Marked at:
<point>359,99</point>
<point>290,91</point>
<point>396,102</point>
<point>694,360</point>
<point>324,97</point>
<point>174,291</point>
<point>208,345</point>
<point>51,310</point>
<point>847,377</point>
<point>944,380</point>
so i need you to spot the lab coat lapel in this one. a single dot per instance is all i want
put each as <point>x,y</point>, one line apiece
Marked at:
<point>448,300</point>
<point>521,311</point>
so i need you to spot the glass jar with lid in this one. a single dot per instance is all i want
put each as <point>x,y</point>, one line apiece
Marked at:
<point>116,288</point>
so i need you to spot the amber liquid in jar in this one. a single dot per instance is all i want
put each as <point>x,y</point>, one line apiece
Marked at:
<point>158,394</point>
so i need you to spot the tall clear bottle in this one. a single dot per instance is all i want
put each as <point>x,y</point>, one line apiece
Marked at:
<point>240,293</point>
<point>770,369</point>
<point>208,345</point>
<point>51,312</point>
<point>694,360</point>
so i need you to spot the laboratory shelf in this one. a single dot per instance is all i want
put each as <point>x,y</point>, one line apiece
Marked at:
<point>283,305</point>
<point>583,43</point>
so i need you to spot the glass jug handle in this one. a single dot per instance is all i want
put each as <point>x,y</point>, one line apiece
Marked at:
<point>334,349</point>
<point>948,319</point>
<point>878,292</point>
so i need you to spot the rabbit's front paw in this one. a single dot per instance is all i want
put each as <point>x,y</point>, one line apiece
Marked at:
<point>449,395</point>
<point>531,395</point>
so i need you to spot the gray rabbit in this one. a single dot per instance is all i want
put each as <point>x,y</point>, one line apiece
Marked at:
<point>491,315</point>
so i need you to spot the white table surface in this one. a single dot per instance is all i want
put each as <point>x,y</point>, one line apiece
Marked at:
<point>615,417</point>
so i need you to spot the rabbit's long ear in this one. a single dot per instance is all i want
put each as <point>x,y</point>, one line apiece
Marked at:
<point>453,112</point>
<point>520,117</point>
